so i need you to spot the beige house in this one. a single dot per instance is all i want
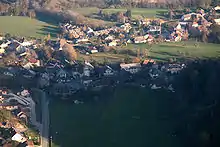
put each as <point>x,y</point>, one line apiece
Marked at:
<point>113,43</point>
<point>140,39</point>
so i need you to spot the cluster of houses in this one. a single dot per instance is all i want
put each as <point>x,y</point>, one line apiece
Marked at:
<point>142,31</point>
<point>21,106</point>
<point>20,52</point>
<point>23,53</point>
<point>65,81</point>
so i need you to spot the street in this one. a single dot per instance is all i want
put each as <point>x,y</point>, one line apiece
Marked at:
<point>45,122</point>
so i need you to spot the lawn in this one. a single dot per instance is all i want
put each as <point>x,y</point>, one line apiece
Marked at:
<point>24,26</point>
<point>128,117</point>
<point>147,12</point>
<point>180,50</point>
<point>162,52</point>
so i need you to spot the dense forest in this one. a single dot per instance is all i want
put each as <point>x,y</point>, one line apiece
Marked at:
<point>197,95</point>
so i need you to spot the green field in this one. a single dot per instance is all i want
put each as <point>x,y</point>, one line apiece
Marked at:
<point>24,26</point>
<point>187,50</point>
<point>147,12</point>
<point>166,51</point>
<point>131,117</point>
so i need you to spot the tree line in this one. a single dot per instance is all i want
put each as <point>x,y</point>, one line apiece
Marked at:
<point>17,8</point>
<point>143,3</point>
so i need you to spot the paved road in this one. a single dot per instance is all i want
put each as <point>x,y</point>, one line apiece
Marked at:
<point>45,121</point>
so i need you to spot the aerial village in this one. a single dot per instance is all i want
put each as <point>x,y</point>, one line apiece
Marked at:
<point>61,76</point>
<point>18,110</point>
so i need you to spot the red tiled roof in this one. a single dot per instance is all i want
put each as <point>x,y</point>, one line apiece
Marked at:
<point>32,60</point>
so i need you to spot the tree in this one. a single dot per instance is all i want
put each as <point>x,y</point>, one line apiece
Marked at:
<point>203,3</point>
<point>105,61</point>
<point>69,52</point>
<point>31,14</point>
<point>24,6</point>
<point>120,17</point>
<point>47,52</point>
<point>127,59</point>
<point>204,34</point>
<point>10,59</point>
<point>7,36</point>
<point>171,13</point>
<point>215,33</point>
<point>128,13</point>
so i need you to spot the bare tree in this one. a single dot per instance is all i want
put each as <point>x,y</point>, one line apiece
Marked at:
<point>69,52</point>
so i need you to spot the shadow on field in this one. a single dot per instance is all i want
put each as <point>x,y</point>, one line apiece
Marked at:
<point>48,18</point>
<point>162,14</point>
<point>165,53</point>
<point>53,31</point>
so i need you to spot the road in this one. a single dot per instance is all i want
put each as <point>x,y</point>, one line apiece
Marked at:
<point>45,121</point>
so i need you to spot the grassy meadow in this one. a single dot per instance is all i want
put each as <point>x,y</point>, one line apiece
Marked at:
<point>126,117</point>
<point>25,26</point>
<point>163,51</point>
<point>188,50</point>
<point>136,12</point>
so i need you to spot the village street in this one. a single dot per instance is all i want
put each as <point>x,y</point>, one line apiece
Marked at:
<point>45,121</point>
<point>44,127</point>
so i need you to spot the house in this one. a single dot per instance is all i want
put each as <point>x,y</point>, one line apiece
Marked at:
<point>5,44</point>
<point>129,41</point>
<point>110,37</point>
<point>154,29</point>
<point>131,67</point>
<point>82,40</point>
<point>19,138</point>
<point>126,27</point>
<point>195,24</point>
<point>8,74</point>
<point>113,43</point>
<point>8,106</point>
<point>178,27</point>
<point>154,87</point>
<point>93,51</point>
<point>61,74</point>
<point>187,17</point>
<point>87,69</point>
<point>25,93</point>
<point>217,8</point>
<point>140,39</point>
<point>217,21</point>
<point>30,143</point>
<point>14,46</point>
<point>108,71</point>
<point>2,38</point>
<point>174,68</point>
<point>1,98</point>
<point>148,61</point>
<point>26,43</point>
<point>31,63</point>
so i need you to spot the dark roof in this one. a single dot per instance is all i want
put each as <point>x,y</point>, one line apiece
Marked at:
<point>14,45</point>
<point>7,104</point>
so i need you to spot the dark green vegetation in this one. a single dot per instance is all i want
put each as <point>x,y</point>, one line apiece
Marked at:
<point>141,117</point>
<point>5,115</point>
<point>126,117</point>
<point>37,99</point>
